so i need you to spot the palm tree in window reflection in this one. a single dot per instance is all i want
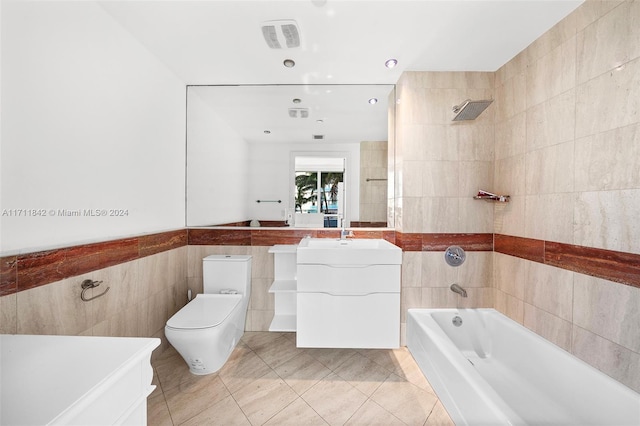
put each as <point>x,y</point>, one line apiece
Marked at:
<point>330,181</point>
<point>306,190</point>
<point>306,184</point>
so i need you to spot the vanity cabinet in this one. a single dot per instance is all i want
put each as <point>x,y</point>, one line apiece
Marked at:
<point>348,294</point>
<point>284,287</point>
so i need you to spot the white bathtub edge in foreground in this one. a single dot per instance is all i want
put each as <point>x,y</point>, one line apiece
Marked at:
<point>551,384</point>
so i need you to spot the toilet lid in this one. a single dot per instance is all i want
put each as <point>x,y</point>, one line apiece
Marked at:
<point>206,310</point>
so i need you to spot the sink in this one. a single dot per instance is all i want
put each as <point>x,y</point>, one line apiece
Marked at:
<point>331,251</point>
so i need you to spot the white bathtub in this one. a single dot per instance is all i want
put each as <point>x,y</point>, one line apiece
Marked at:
<point>491,370</point>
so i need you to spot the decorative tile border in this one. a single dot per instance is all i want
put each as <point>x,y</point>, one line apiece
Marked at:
<point>525,248</point>
<point>25,271</point>
<point>611,265</point>
<point>219,237</point>
<point>8,275</point>
<point>269,237</point>
<point>620,267</point>
<point>440,241</point>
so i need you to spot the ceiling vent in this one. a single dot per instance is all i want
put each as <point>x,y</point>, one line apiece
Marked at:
<point>282,34</point>
<point>317,137</point>
<point>299,112</point>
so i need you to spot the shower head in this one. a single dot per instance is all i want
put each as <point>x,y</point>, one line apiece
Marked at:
<point>470,110</point>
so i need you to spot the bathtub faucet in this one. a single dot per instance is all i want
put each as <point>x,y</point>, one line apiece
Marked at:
<point>457,289</point>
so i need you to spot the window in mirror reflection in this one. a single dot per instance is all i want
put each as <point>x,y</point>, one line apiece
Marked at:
<point>319,189</point>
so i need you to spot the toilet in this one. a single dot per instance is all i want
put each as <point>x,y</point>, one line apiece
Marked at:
<point>208,328</point>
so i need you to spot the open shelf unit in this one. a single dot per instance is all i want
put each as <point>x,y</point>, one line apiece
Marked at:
<point>284,287</point>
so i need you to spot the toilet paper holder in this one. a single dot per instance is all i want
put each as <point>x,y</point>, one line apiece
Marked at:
<point>88,284</point>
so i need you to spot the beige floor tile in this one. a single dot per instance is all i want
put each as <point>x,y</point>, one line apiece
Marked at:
<point>296,414</point>
<point>331,358</point>
<point>195,396</point>
<point>223,413</point>
<point>301,372</point>
<point>243,368</point>
<point>405,400</point>
<point>334,399</point>
<point>362,373</point>
<point>371,414</point>
<point>290,336</point>
<point>256,339</point>
<point>158,411</point>
<point>391,359</point>
<point>155,382</point>
<point>173,371</point>
<point>264,397</point>
<point>439,417</point>
<point>409,370</point>
<point>276,352</point>
<point>304,387</point>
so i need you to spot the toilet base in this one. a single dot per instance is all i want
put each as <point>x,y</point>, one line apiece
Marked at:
<point>207,350</point>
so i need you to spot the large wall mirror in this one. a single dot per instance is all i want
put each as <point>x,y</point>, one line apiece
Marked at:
<point>271,154</point>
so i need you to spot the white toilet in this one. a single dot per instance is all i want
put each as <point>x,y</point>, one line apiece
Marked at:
<point>207,329</point>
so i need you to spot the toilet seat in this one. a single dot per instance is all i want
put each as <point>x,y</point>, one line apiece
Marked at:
<point>205,311</point>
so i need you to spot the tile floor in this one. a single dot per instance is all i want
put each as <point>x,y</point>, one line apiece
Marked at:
<point>267,380</point>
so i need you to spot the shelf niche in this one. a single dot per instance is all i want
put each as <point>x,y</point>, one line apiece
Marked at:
<point>284,287</point>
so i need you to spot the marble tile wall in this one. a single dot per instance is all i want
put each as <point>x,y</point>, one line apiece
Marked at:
<point>143,294</point>
<point>566,150</point>
<point>373,193</point>
<point>441,165</point>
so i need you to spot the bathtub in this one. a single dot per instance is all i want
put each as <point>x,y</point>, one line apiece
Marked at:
<point>490,370</point>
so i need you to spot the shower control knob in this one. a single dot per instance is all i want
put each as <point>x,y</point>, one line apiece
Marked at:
<point>454,256</point>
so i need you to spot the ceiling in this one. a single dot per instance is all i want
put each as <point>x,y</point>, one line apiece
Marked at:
<point>338,113</point>
<point>218,42</point>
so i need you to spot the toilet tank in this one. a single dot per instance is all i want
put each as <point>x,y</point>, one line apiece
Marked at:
<point>224,272</point>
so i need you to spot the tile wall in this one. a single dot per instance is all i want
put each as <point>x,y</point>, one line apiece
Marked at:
<point>143,292</point>
<point>567,149</point>
<point>440,165</point>
<point>373,193</point>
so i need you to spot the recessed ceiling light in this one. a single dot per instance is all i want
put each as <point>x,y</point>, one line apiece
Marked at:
<point>373,101</point>
<point>319,121</point>
<point>267,132</point>
<point>391,63</point>
<point>297,101</point>
<point>289,63</point>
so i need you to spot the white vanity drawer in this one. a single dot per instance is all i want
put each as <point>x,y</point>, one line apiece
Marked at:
<point>327,321</point>
<point>348,279</point>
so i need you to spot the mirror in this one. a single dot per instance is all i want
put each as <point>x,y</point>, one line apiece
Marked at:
<point>242,142</point>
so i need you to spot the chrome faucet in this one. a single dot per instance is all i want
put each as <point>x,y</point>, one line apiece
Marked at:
<point>457,289</point>
<point>345,233</point>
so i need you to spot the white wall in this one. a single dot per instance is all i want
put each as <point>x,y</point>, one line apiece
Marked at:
<point>272,176</point>
<point>217,176</point>
<point>90,120</point>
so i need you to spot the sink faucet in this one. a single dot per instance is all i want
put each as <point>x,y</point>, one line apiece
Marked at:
<point>457,289</point>
<point>344,234</point>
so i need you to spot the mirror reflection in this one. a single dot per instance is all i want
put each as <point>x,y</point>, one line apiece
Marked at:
<point>289,155</point>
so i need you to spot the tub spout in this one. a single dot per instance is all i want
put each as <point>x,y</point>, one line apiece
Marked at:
<point>457,289</point>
